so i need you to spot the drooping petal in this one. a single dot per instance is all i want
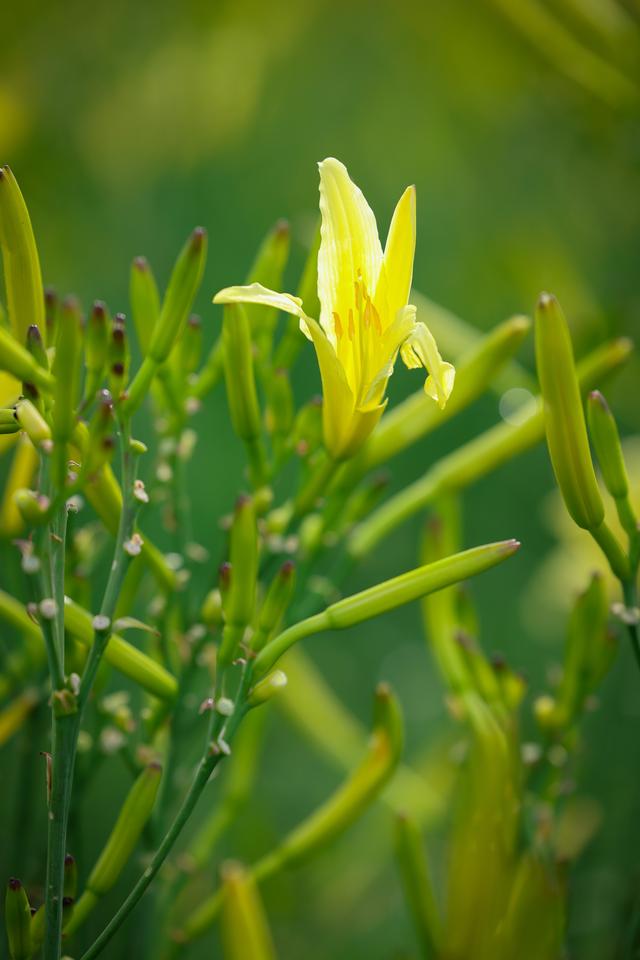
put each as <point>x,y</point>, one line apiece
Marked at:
<point>349,244</point>
<point>420,350</point>
<point>399,252</point>
<point>256,293</point>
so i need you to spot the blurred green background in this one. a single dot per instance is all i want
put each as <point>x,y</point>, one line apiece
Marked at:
<point>128,124</point>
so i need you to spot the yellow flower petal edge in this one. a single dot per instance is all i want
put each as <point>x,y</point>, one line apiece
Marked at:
<point>365,318</point>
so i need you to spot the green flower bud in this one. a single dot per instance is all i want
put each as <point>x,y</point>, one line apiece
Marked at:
<point>66,369</point>
<point>183,286</point>
<point>99,449</point>
<point>16,360</point>
<point>96,348</point>
<point>35,345</point>
<point>268,269</point>
<point>267,688</point>
<point>118,356</point>
<point>8,422</point>
<point>51,313</point>
<point>416,583</point>
<point>211,612</point>
<point>23,279</point>
<point>244,930</point>
<point>291,343</point>
<point>307,429</point>
<point>124,837</point>
<point>275,605</point>
<point>239,375</point>
<point>33,423</point>
<point>32,507</point>
<point>280,412</point>
<point>417,884</point>
<point>387,596</point>
<point>564,416</point>
<point>145,302</point>
<point>191,345</point>
<point>606,441</point>
<point>239,600</point>
<point>17,920</point>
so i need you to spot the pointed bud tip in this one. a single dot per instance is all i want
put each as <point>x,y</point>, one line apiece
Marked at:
<point>33,333</point>
<point>243,500</point>
<point>141,264</point>
<point>511,546</point>
<point>14,883</point>
<point>99,310</point>
<point>596,397</point>
<point>195,321</point>
<point>383,691</point>
<point>546,300</point>
<point>69,860</point>
<point>282,229</point>
<point>154,767</point>
<point>287,569</point>
<point>198,238</point>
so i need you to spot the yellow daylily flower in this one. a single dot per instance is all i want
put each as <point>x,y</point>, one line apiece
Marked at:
<point>365,317</point>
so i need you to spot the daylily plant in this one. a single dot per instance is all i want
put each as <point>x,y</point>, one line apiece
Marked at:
<point>365,316</point>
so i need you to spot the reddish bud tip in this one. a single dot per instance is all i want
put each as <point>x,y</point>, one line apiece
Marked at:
<point>14,883</point>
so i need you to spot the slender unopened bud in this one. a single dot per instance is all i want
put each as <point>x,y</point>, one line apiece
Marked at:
<point>191,345</point>
<point>416,583</point>
<point>564,416</point>
<point>267,688</point>
<point>387,596</point>
<point>606,442</point>
<point>239,374</point>
<point>96,348</point>
<point>131,821</point>
<point>243,553</point>
<point>118,356</point>
<point>99,449</point>
<point>35,346</point>
<point>22,275</point>
<point>275,605</point>
<point>16,360</point>
<point>17,920</point>
<point>211,612</point>
<point>32,506</point>
<point>145,302</point>
<point>70,885</point>
<point>307,428</point>
<point>8,422</point>
<point>268,269</point>
<point>66,369</point>
<point>180,295</point>
<point>244,929</point>
<point>51,311</point>
<point>239,600</point>
<point>33,423</point>
<point>280,412</point>
<point>417,884</point>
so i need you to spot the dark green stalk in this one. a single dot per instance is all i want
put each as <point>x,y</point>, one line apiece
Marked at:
<point>68,708</point>
<point>211,757</point>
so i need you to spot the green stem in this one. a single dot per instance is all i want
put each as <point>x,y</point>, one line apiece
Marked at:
<point>65,735</point>
<point>631,601</point>
<point>211,757</point>
<point>68,709</point>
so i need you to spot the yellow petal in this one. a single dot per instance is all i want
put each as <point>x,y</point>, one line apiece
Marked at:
<point>337,398</point>
<point>399,251</point>
<point>349,244</point>
<point>256,293</point>
<point>420,350</point>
